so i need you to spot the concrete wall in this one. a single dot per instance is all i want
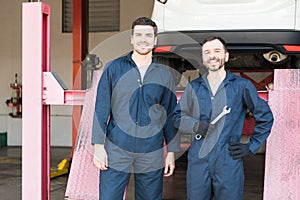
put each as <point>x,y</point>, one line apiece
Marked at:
<point>61,61</point>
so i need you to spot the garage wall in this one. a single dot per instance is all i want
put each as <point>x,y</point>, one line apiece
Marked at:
<point>61,61</point>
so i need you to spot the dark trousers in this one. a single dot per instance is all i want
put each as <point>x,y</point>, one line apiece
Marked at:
<point>147,169</point>
<point>216,175</point>
<point>148,186</point>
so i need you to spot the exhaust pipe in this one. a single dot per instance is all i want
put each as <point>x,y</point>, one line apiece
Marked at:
<point>274,57</point>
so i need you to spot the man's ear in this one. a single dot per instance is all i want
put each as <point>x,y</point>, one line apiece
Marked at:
<point>131,38</point>
<point>155,40</point>
<point>226,56</point>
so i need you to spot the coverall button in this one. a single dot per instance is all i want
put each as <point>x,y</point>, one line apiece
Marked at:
<point>198,136</point>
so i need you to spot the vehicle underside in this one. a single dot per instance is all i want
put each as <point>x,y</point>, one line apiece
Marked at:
<point>250,51</point>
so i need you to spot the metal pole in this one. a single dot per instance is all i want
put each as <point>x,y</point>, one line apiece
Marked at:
<point>36,115</point>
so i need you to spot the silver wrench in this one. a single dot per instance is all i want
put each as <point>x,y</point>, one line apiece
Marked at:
<point>225,111</point>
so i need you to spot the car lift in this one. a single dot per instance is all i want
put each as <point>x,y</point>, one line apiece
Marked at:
<point>42,88</point>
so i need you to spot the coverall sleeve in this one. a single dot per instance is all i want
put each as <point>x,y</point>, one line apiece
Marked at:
<point>262,114</point>
<point>186,114</point>
<point>169,101</point>
<point>102,108</point>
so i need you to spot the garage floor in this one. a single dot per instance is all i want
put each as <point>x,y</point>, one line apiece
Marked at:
<point>174,187</point>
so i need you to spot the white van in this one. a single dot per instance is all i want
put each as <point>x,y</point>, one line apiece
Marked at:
<point>262,35</point>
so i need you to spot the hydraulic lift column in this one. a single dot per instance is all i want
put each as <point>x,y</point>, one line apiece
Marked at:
<point>41,88</point>
<point>35,60</point>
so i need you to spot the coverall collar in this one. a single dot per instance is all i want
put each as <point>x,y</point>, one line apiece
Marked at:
<point>129,59</point>
<point>229,77</point>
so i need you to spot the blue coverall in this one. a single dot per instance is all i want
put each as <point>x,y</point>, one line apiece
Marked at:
<point>133,118</point>
<point>211,170</point>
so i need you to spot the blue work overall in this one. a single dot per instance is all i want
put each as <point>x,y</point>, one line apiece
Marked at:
<point>212,172</point>
<point>133,120</point>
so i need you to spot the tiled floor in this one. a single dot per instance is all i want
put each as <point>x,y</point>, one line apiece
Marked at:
<point>174,187</point>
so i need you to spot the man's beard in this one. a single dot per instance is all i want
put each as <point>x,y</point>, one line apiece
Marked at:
<point>215,68</point>
<point>143,52</point>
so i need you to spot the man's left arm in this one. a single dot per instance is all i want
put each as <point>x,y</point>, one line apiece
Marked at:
<point>169,102</point>
<point>262,114</point>
<point>264,121</point>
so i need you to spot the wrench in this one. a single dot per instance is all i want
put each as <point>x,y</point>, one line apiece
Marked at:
<point>225,111</point>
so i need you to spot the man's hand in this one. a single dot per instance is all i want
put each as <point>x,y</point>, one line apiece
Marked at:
<point>203,128</point>
<point>239,150</point>
<point>169,164</point>
<point>100,157</point>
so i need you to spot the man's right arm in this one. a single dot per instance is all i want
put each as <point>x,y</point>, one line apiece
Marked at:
<point>102,109</point>
<point>100,119</point>
<point>186,114</point>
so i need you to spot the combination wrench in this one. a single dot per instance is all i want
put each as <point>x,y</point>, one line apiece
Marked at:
<point>225,111</point>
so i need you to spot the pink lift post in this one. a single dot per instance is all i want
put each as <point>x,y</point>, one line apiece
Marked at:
<point>282,167</point>
<point>35,122</point>
<point>41,88</point>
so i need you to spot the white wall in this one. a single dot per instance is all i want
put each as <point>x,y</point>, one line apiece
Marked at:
<point>61,61</point>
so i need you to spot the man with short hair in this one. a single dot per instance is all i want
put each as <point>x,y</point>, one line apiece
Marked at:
<point>215,167</point>
<point>133,111</point>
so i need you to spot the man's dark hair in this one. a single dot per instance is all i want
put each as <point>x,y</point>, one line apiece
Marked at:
<point>211,38</point>
<point>144,21</point>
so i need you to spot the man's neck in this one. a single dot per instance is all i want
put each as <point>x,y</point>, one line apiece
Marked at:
<point>142,60</point>
<point>219,74</point>
<point>215,78</point>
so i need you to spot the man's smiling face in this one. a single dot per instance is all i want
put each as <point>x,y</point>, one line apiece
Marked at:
<point>214,55</point>
<point>143,39</point>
